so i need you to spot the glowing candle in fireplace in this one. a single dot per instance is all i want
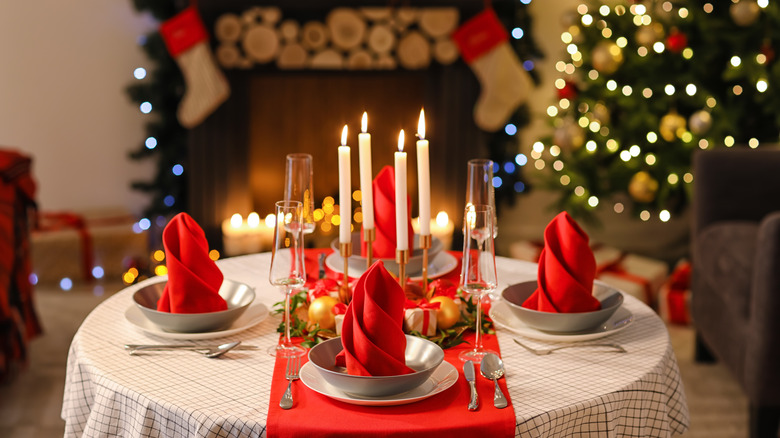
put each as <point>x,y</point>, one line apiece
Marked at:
<point>364,145</point>
<point>401,226</point>
<point>345,191</point>
<point>423,178</point>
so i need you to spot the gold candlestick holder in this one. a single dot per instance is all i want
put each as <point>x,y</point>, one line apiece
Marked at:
<point>402,258</point>
<point>345,295</point>
<point>425,244</point>
<point>369,235</point>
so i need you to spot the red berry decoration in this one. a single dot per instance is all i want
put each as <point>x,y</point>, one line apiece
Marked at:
<point>569,91</point>
<point>676,41</point>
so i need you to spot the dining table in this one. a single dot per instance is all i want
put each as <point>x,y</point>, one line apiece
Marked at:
<point>570,392</point>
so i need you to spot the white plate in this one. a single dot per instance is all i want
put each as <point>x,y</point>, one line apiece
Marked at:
<point>502,315</point>
<point>253,315</point>
<point>442,264</point>
<point>442,378</point>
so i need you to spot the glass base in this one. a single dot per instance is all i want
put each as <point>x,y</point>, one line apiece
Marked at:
<point>475,355</point>
<point>286,350</point>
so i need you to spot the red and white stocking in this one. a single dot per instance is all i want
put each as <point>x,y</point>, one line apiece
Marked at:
<point>483,43</point>
<point>187,42</point>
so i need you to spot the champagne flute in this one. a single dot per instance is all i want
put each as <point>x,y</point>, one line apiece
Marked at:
<point>478,274</point>
<point>479,186</point>
<point>288,270</point>
<point>298,186</point>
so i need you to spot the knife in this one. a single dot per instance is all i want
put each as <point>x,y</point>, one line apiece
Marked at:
<point>468,372</point>
<point>322,265</point>
<point>185,347</point>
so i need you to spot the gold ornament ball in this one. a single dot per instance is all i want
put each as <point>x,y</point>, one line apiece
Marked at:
<point>607,57</point>
<point>745,12</point>
<point>700,122</point>
<point>650,34</point>
<point>643,187</point>
<point>319,312</point>
<point>569,135</point>
<point>672,125</point>
<point>601,113</point>
<point>448,313</point>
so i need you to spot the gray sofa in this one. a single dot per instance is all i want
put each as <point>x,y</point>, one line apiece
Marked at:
<point>736,273</point>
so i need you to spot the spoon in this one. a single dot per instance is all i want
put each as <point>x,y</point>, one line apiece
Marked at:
<point>493,368</point>
<point>211,352</point>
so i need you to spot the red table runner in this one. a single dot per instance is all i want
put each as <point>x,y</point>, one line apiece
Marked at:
<point>442,415</point>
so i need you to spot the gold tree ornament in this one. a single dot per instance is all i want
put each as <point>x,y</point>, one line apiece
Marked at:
<point>643,187</point>
<point>607,57</point>
<point>569,135</point>
<point>700,122</point>
<point>650,34</point>
<point>672,126</point>
<point>744,12</point>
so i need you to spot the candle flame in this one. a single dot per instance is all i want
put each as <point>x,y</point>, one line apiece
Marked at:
<point>236,220</point>
<point>253,220</point>
<point>344,136</point>
<point>471,216</point>
<point>364,122</point>
<point>442,219</point>
<point>401,141</point>
<point>270,220</point>
<point>421,125</point>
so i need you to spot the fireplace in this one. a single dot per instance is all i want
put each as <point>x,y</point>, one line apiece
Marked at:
<point>237,154</point>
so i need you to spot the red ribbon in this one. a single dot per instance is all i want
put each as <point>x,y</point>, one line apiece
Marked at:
<point>66,220</point>
<point>338,309</point>
<point>619,271</point>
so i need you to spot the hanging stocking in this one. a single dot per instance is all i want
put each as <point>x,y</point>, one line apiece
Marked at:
<point>483,43</point>
<point>187,42</point>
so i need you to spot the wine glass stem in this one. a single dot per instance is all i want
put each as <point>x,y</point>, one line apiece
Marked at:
<point>287,339</point>
<point>478,344</point>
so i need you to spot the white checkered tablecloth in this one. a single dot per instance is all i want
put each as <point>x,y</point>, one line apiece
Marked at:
<point>176,394</point>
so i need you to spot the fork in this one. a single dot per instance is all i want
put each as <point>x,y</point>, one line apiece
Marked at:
<point>615,348</point>
<point>291,373</point>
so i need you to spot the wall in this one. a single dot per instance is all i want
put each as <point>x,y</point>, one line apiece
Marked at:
<point>63,70</point>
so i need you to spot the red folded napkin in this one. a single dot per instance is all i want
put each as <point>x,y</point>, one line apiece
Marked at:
<point>193,278</point>
<point>372,333</point>
<point>384,216</point>
<point>567,269</point>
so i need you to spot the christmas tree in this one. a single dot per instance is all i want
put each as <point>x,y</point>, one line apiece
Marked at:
<point>646,85</point>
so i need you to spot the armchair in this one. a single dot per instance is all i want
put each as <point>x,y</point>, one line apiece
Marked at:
<point>736,273</point>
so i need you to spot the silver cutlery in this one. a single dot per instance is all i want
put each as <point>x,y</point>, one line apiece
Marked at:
<point>468,372</point>
<point>210,352</point>
<point>493,368</point>
<point>292,372</point>
<point>193,347</point>
<point>612,348</point>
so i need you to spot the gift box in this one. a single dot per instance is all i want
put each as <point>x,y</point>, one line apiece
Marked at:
<point>526,250</point>
<point>70,244</point>
<point>638,276</point>
<point>674,298</point>
<point>420,320</point>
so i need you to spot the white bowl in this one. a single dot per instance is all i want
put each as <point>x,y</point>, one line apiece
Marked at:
<point>422,355</point>
<point>238,296</point>
<point>516,294</point>
<point>358,263</point>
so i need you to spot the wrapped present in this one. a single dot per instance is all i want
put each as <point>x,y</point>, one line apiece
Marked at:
<point>420,317</point>
<point>526,250</point>
<point>638,276</point>
<point>674,298</point>
<point>605,256</point>
<point>69,244</point>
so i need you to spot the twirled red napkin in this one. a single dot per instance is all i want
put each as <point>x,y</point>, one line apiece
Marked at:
<point>567,269</point>
<point>372,333</point>
<point>193,278</point>
<point>384,216</point>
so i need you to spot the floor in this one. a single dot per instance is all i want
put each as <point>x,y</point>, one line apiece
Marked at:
<point>30,403</point>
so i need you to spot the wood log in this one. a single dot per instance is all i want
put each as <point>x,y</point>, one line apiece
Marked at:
<point>251,15</point>
<point>438,22</point>
<point>414,51</point>
<point>445,51</point>
<point>261,43</point>
<point>292,56</point>
<point>228,55</point>
<point>381,39</point>
<point>314,35</point>
<point>270,15</point>
<point>375,13</point>
<point>227,28</point>
<point>360,60</point>
<point>289,30</point>
<point>386,62</point>
<point>327,59</point>
<point>347,28</point>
